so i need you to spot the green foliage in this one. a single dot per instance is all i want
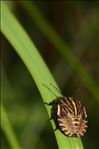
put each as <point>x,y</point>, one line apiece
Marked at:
<point>8,130</point>
<point>23,122</point>
<point>36,66</point>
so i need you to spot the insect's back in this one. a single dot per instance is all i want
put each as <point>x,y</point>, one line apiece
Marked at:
<point>70,116</point>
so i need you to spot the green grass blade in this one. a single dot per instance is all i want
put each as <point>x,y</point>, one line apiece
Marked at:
<point>8,130</point>
<point>61,46</point>
<point>27,51</point>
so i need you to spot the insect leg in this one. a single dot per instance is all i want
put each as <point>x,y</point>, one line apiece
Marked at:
<point>50,118</point>
<point>55,129</point>
<point>50,103</point>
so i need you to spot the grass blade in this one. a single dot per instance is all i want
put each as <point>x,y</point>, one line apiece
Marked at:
<point>7,128</point>
<point>27,51</point>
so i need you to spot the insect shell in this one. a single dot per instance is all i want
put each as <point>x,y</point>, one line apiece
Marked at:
<point>70,116</point>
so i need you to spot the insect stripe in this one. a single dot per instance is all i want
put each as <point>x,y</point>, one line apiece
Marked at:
<point>64,128</point>
<point>71,111</point>
<point>66,106</point>
<point>74,105</point>
<point>61,124</point>
<point>58,110</point>
<point>68,102</point>
<point>71,105</point>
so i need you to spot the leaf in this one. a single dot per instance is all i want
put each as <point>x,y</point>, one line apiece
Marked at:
<point>8,130</point>
<point>28,52</point>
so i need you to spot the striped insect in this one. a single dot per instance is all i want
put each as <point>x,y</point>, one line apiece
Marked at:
<point>69,115</point>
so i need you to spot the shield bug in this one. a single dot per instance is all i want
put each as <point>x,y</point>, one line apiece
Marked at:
<point>69,115</point>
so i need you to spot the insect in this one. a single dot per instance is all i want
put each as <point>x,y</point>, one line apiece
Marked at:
<point>69,115</point>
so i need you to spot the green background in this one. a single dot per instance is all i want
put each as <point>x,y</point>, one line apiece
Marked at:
<point>72,58</point>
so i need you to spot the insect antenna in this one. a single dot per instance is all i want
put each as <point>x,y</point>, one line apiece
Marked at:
<point>80,93</point>
<point>56,89</point>
<point>49,89</point>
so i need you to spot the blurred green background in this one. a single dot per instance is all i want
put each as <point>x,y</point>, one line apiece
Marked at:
<point>78,25</point>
